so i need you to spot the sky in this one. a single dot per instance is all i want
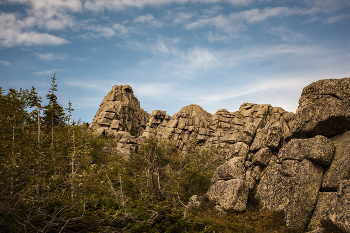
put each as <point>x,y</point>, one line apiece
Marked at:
<point>214,53</point>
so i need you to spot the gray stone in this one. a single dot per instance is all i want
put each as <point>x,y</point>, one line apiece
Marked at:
<point>324,109</point>
<point>230,194</point>
<point>326,204</point>
<point>340,166</point>
<point>295,194</point>
<point>195,201</point>
<point>239,149</point>
<point>262,157</point>
<point>232,169</point>
<point>269,136</point>
<point>246,135</point>
<point>318,149</point>
<point>339,219</point>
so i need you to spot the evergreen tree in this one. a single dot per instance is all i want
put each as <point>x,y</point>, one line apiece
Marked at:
<point>53,116</point>
<point>53,111</point>
<point>35,101</point>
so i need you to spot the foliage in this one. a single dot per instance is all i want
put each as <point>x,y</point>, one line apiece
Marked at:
<point>88,188</point>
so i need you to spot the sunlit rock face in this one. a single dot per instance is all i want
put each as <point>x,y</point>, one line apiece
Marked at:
<point>324,109</point>
<point>120,111</point>
<point>297,163</point>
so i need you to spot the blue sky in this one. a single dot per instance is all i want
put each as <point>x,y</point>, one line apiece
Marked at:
<point>215,53</point>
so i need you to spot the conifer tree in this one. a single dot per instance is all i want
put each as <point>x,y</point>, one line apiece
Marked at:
<point>53,115</point>
<point>73,172</point>
<point>35,101</point>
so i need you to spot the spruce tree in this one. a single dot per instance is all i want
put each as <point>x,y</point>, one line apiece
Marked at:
<point>35,101</point>
<point>53,115</point>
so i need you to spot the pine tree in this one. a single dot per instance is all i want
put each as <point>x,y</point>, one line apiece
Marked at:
<point>53,116</point>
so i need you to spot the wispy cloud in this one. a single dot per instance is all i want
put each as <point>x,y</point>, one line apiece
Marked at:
<point>337,18</point>
<point>6,63</point>
<point>96,31</point>
<point>100,5</point>
<point>329,6</point>
<point>46,72</point>
<point>91,83</point>
<point>234,24</point>
<point>50,56</point>
<point>149,19</point>
<point>288,34</point>
<point>152,89</point>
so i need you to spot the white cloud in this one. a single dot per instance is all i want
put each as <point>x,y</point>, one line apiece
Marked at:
<point>6,63</point>
<point>52,15</point>
<point>328,6</point>
<point>96,31</point>
<point>234,24</point>
<point>222,23</point>
<point>50,56</point>
<point>200,58</point>
<point>13,31</point>
<point>144,18</point>
<point>149,18</point>
<point>337,18</point>
<point>288,34</point>
<point>91,83</point>
<point>182,17</point>
<point>120,5</point>
<point>152,89</point>
<point>46,72</point>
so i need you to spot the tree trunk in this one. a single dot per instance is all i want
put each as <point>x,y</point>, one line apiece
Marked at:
<point>73,168</point>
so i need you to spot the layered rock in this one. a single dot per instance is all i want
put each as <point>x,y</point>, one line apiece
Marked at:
<point>120,115</point>
<point>193,126</point>
<point>120,111</point>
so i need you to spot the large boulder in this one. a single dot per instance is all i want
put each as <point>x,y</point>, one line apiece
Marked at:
<point>232,169</point>
<point>340,166</point>
<point>230,195</point>
<point>291,186</point>
<point>324,109</point>
<point>269,136</point>
<point>318,149</point>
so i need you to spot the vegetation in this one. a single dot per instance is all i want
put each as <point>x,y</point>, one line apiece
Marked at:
<point>57,176</point>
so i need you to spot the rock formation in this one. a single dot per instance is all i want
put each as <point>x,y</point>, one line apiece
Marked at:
<point>297,163</point>
<point>120,115</point>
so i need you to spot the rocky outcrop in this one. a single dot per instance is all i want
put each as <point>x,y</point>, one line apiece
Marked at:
<point>193,126</point>
<point>297,163</point>
<point>120,112</point>
<point>120,115</point>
